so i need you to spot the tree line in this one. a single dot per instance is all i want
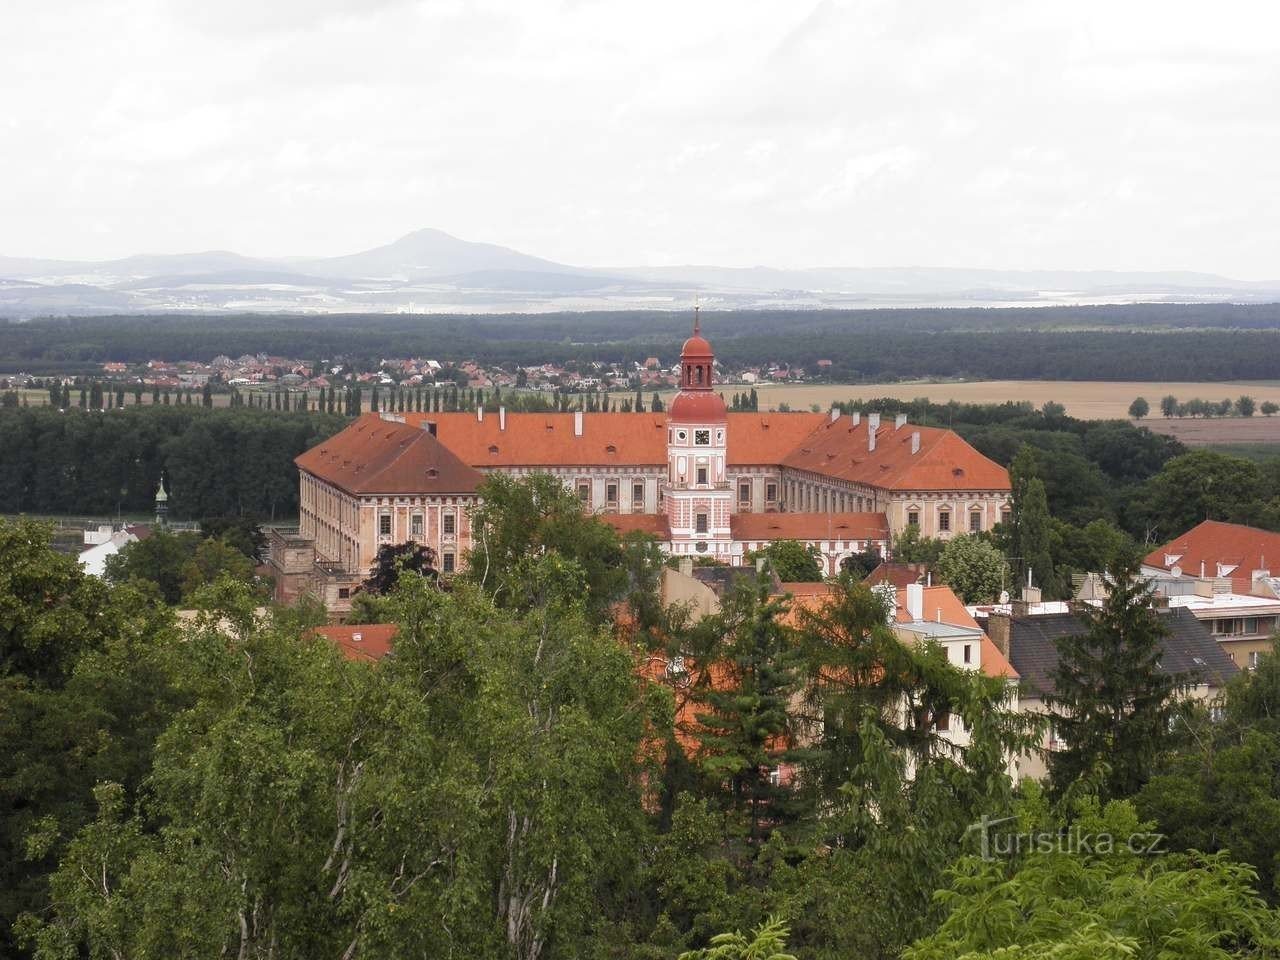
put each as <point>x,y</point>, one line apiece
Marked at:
<point>1146,342</point>
<point>554,764</point>
<point>214,462</point>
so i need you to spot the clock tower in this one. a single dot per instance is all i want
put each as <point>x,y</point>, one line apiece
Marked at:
<point>697,495</point>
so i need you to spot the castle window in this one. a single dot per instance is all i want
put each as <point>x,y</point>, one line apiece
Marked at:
<point>702,437</point>
<point>944,520</point>
<point>449,523</point>
<point>1005,515</point>
<point>637,494</point>
<point>415,524</point>
<point>744,492</point>
<point>700,523</point>
<point>611,494</point>
<point>384,525</point>
<point>913,517</point>
<point>702,475</point>
<point>447,563</point>
<point>975,521</point>
<point>344,593</point>
<point>584,491</point>
<point>771,492</point>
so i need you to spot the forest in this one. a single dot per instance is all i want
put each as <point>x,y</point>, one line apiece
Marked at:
<point>553,764</point>
<point>1194,342</point>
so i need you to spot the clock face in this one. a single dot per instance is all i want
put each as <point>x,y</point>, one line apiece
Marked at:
<point>702,437</point>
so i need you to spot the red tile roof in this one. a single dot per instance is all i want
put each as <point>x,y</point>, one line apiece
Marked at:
<point>374,455</point>
<point>809,526</point>
<point>652,523</point>
<point>898,574</point>
<point>639,439</point>
<point>942,605</point>
<point>1241,550</point>
<point>365,641</point>
<point>944,461</point>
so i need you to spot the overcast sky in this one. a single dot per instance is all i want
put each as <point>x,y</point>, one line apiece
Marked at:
<point>1024,134</point>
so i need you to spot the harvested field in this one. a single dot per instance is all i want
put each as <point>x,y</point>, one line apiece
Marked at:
<point>1218,431</point>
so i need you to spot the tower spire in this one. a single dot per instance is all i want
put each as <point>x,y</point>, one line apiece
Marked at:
<point>697,320</point>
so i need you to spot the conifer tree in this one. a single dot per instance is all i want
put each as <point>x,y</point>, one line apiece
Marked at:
<point>1029,538</point>
<point>1113,703</point>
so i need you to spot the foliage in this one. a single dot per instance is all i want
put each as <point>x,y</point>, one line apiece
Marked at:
<point>910,547</point>
<point>791,560</point>
<point>524,517</point>
<point>1218,789</point>
<point>767,942</point>
<point>1139,408</point>
<point>1113,703</point>
<point>974,568</point>
<point>230,462</point>
<point>1029,536</point>
<point>1059,903</point>
<point>84,691</point>
<point>1204,485</point>
<point>177,564</point>
<point>392,560</point>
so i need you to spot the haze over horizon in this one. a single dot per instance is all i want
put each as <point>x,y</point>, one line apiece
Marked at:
<point>604,134</point>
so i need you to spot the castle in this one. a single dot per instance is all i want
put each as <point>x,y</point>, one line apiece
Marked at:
<point>704,481</point>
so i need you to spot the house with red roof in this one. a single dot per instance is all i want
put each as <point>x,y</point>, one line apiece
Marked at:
<point>702,480</point>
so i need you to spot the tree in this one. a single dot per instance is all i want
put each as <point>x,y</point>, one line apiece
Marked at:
<point>1245,405</point>
<point>1056,902</point>
<point>1269,408</point>
<point>1168,405</point>
<point>1201,485</point>
<point>1029,535</point>
<point>522,517</point>
<point>160,559</point>
<point>1112,702</point>
<point>211,560</point>
<point>1139,408</point>
<point>974,568</point>
<point>393,560</point>
<point>743,724</point>
<point>767,942</point>
<point>791,560</point>
<point>910,547</point>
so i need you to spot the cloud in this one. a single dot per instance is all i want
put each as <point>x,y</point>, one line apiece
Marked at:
<point>977,133</point>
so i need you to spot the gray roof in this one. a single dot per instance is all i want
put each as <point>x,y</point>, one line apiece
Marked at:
<point>1189,648</point>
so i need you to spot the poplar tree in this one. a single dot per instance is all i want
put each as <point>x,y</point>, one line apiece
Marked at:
<point>1029,536</point>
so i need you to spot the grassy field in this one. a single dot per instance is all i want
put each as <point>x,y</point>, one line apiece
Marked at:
<point>1241,432</point>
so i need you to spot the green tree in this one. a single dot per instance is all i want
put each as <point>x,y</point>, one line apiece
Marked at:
<point>1113,704</point>
<point>212,559</point>
<point>767,942</point>
<point>910,547</point>
<point>394,560</point>
<point>1168,405</point>
<point>521,517</point>
<point>974,568</point>
<point>160,559</point>
<point>1139,408</point>
<point>1029,536</point>
<point>1202,485</point>
<point>1058,903</point>
<point>1269,408</point>
<point>791,560</point>
<point>1245,405</point>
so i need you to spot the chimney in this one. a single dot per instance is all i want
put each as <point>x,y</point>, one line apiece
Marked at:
<point>899,421</point>
<point>835,414</point>
<point>480,414</point>
<point>915,442</point>
<point>577,423</point>
<point>855,417</point>
<point>998,631</point>
<point>915,602</point>
<point>873,421</point>
<point>502,418</point>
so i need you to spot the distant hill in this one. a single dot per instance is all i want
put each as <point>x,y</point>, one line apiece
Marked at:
<point>425,254</point>
<point>432,271</point>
